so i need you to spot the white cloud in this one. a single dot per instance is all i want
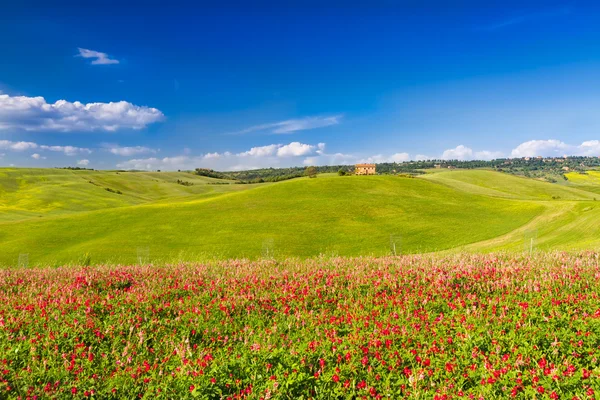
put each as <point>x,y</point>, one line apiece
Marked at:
<point>380,158</point>
<point>553,148</point>
<point>330,159</point>
<point>294,125</point>
<point>488,155</point>
<point>37,156</point>
<point>83,162</point>
<point>131,151</point>
<point>166,163</point>
<point>35,114</point>
<point>275,155</point>
<point>464,153</point>
<point>544,148</point>
<point>22,146</point>
<point>212,155</point>
<point>67,150</point>
<point>460,152</point>
<point>262,151</point>
<point>98,57</point>
<point>295,149</point>
<point>17,146</point>
<point>590,148</point>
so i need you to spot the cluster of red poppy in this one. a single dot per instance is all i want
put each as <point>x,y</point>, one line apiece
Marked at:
<point>465,326</point>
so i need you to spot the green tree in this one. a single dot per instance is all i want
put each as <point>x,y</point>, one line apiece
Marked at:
<point>311,172</point>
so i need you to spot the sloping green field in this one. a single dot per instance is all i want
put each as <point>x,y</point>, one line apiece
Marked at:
<point>589,181</point>
<point>34,193</point>
<point>58,216</point>
<point>498,184</point>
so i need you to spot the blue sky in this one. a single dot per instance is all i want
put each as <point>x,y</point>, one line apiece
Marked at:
<point>234,86</point>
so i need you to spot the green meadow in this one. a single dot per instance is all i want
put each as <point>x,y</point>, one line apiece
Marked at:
<point>60,216</point>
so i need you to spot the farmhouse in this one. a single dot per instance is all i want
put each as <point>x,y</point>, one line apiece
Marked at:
<point>364,169</point>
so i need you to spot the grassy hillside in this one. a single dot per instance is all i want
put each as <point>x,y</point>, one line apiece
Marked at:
<point>58,216</point>
<point>497,184</point>
<point>34,193</point>
<point>304,217</point>
<point>589,181</point>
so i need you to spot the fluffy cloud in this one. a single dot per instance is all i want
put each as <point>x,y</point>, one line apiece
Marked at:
<point>534,148</point>
<point>17,146</point>
<point>166,163</point>
<point>262,151</point>
<point>130,151</point>
<point>394,158</point>
<point>295,149</point>
<point>460,152</point>
<point>35,114</point>
<point>294,125</point>
<point>330,159</point>
<point>423,157</point>
<point>22,146</point>
<point>98,58</point>
<point>531,148</point>
<point>275,155</point>
<point>36,156</point>
<point>83,162</point>
<point>463,153</point>
<point>553,147</point>
<point>67,150</point>
<point>488,155</point>
<point>590,148</point>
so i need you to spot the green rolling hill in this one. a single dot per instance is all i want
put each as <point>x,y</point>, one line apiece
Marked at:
<point>64,216</point>
<point>33,193</point>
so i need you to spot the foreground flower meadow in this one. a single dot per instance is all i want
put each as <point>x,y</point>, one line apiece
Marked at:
<point>476,327</point>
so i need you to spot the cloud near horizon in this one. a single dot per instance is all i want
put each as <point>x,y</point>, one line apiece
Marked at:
<point>464,153</point>
<point>553,147</point>
<point>295,154</point>
<point>35,114</point>
<point>98,58</point>
<point>23,146</point>
<point>129,151</point>
<point>302,154</point>
<point>276,155</point>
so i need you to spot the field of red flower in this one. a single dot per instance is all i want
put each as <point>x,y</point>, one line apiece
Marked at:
<point>486,326</point>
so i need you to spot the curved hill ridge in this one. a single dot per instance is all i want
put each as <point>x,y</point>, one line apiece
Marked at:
<point>156,218</point>
<point>498,184</point>
<point>33,192</point>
